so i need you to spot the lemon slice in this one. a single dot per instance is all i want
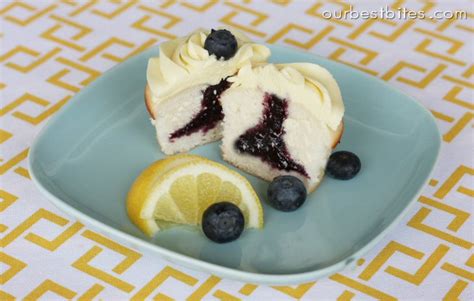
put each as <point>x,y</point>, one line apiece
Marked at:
<point>180,188</point>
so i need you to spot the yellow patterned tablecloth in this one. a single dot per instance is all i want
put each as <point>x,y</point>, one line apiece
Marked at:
<point>52,49</point>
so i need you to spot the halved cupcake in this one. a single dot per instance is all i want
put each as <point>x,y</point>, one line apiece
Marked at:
<point>282,119</point>
<point>186,81</point>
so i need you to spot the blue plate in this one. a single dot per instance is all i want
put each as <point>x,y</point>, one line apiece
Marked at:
<point>89,154</point>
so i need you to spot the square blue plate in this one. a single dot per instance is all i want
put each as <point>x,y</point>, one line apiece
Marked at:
<point>89,154</point>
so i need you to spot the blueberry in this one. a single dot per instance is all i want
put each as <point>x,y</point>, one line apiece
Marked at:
<point>221,43</point>
<point>223,222</point>
<point>343,165</point>
<point>286,193</point>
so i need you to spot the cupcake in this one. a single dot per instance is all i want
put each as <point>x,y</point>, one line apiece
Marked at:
<point>186,81</point>
<point>282,120</point>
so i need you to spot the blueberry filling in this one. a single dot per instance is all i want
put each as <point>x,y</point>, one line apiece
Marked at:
<point>265,140</point>
<point>209,115</point>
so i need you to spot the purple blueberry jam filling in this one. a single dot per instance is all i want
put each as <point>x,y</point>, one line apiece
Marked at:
<point>209,115</point>
<point>265,140</point>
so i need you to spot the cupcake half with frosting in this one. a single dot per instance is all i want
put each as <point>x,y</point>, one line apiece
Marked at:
<point>186,82</point>
<point>282,119</point>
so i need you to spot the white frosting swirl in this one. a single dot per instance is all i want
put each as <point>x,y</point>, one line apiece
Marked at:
<point>184,62</point>
<point>308,85</point>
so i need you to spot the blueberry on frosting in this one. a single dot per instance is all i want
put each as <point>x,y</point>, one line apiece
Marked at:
<point>221,43</point>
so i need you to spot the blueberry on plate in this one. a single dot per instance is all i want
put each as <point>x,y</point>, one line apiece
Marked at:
<point>343,165</point>
<point>221,43</point>
<point>223,222</point>
<point>286,193</point>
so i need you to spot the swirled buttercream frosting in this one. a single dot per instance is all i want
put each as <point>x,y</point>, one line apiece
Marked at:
<point>309,85</point>
<point>184,62</point>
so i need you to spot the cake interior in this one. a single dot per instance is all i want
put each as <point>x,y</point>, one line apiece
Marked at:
<point>265,140</point>
<point>209,115</point>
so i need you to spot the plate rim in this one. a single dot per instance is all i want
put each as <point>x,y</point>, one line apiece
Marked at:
<point>201,265</point>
